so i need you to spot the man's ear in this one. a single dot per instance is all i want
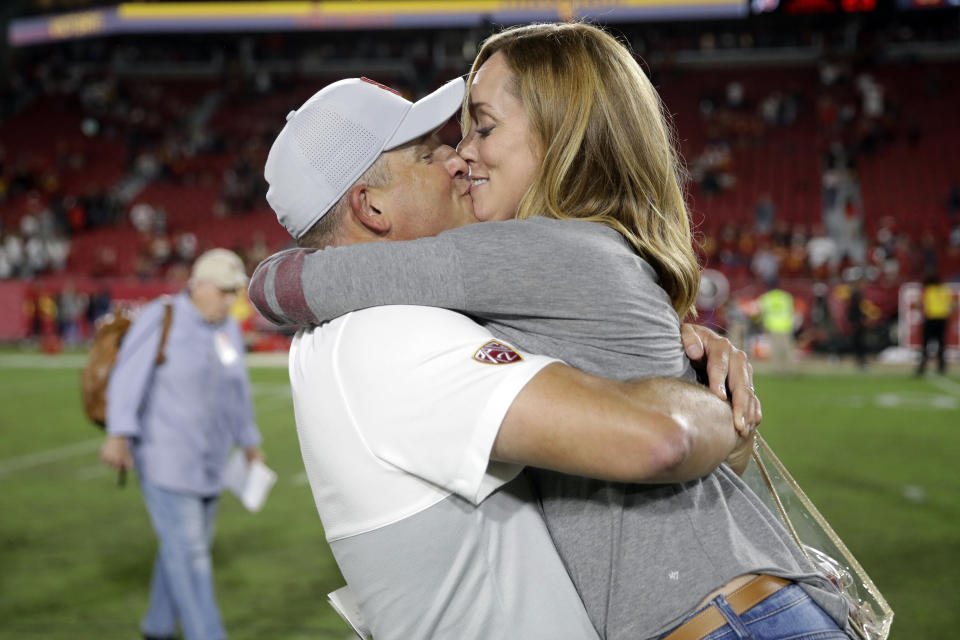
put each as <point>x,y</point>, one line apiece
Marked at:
<point>365,213</point>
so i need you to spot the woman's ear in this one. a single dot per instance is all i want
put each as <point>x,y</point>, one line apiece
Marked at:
<point>365,212</point>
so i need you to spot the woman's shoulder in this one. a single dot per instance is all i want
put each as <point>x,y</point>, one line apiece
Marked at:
<point>586,254</point>
<point>539,231</point>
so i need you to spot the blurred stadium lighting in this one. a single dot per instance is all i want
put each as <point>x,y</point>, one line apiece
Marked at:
<point>180,17</point>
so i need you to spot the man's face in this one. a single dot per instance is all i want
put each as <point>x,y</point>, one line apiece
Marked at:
<point>428,190</point>
<point>212,302</point>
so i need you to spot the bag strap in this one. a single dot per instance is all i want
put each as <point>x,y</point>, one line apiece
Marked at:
<point>167,321</point>
<point>761,445</point>
<point>160,359</point>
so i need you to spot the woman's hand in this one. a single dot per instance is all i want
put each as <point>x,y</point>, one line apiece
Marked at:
<point>729,373</point>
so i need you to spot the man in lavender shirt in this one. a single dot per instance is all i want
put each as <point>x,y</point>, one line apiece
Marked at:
<point>176,423</point>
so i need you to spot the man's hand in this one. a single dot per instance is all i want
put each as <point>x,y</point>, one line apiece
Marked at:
<point>116,453</point>
<point>253,453</point>
<point>729,373</point>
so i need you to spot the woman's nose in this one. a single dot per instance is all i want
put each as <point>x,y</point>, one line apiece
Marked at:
<point>467,147</point>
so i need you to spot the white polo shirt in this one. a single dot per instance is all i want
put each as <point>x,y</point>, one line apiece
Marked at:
<point>397,410</point>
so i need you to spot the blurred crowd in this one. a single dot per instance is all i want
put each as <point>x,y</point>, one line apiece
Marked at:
<point>783,250</point>
<point>208,131</point>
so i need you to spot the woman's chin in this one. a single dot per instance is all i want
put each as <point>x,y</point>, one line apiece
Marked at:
<point>484,215</point>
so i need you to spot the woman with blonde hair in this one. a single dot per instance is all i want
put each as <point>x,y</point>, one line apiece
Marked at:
<point>605,149</point>
<point>562,130</point>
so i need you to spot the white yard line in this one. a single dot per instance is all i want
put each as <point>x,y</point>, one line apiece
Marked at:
<point>18,463</point>
<point>40,361</point>
<point>272,389</point>
<point>945,384</point>
<point>272,360</point>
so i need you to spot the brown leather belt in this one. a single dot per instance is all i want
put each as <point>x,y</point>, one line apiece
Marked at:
<point>710,619</point>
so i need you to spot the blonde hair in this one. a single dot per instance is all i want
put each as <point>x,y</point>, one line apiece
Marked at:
<point>608,152</point>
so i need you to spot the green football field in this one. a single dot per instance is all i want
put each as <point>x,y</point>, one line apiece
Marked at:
<point>878,453</point>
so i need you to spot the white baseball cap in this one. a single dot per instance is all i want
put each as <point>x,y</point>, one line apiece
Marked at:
<point>338,134</point>
<point>222,267</point>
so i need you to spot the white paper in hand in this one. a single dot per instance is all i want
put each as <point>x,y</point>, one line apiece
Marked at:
<point>343,602</point>
<point>251,483</point>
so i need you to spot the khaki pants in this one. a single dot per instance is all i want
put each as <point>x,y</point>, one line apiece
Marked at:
<point>781,344</point>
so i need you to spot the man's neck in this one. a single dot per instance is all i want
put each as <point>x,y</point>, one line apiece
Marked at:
<point>354,234</point>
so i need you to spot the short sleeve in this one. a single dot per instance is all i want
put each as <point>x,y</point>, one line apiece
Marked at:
<point>428,389</point>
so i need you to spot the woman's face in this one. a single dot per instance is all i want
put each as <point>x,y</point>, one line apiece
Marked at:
<point>500,148</point>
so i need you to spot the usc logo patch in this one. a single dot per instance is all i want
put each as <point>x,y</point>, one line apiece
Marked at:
<point>495,352</point>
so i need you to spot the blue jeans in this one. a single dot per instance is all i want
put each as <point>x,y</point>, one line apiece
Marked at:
<point>789,613</point>
<point>182,584</point>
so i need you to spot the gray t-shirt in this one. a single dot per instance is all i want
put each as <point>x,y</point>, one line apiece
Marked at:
<point>641,556</point>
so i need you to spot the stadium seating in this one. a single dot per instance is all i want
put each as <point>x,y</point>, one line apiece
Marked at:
<point>783,162</point>
<point>90,145</point>
<point>909,178</point>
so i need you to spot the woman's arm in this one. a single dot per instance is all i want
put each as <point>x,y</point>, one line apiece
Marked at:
<point>532,268</point>
<point>311,286</point>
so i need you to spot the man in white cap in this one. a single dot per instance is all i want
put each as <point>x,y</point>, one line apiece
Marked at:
<point>414,422</point>
<point>178,400</point>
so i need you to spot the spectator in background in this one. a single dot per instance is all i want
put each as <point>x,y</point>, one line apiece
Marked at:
<point>776,314</point>
<point>822,328</point>
<point>937,308</point>
<point>35,252</point>
<point>765,264</point>
<point>73,308</point>
<point>763,215</point>
<point>240,186</point>
<point>175,423</point>
<point>857,319</point>
<point>953,204</point>
<point>823,253</point>
<point>97,206</point>
<point>185,248</point>
<point>98,307</point>
<point>734,93</point>
<point>57,249</point>
<point>794,262</point>
<point>13,250</point>
<point>731,258</point>
<point>6,267</point>
<point>142,217</point>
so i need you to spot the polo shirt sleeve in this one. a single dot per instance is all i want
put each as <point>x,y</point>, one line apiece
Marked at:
<point>427,390</point>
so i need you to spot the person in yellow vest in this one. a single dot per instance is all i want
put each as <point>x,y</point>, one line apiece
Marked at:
<point>937,307</point>
<point>776,314</point>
